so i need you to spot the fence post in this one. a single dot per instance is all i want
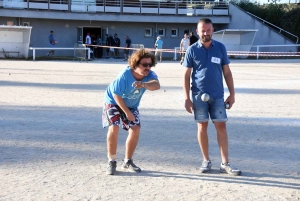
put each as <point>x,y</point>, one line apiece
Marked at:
<point>257,52</point>
<point>33,54</point>
<point>175,55</point>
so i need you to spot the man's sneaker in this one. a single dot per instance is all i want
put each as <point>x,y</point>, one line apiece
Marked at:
<point>226,168</point>
<point>130,166</point>
<point>111,167</point>
<point>205,167</point>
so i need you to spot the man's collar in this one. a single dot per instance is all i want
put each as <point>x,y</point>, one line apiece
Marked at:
<point>212,42</point>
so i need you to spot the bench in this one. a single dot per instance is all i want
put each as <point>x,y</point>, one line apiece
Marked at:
<point>6,53</point>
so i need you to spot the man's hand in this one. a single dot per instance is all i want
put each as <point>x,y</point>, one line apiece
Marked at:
<point>138,85</point>
<point>130,116</point>
<point>189,106</point>
<point>230,99</point>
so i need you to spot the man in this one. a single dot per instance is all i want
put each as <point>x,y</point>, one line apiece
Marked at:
<point>112,45</point>
<point>52,42</point>
<point>184,44</point>
<point>107,44</point>
<point>206,62</point>
<point>127,45</point>
<point>122,98</point>
<point>88,42</point>
<point>158,45</point>
<point>88,39</point>
<point>117,44</point>
<point>193,38</point>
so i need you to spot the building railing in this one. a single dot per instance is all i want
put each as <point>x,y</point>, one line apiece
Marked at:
<point>183,7</point>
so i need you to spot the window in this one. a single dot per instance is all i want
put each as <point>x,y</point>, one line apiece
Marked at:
<point>162,32</point>
<point>148,32</point>
<point>174,32</point>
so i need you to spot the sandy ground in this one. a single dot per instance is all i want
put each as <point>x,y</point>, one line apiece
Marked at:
<point>52,145</point>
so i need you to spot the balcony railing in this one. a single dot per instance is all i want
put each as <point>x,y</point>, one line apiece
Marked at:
<point>161,7</point>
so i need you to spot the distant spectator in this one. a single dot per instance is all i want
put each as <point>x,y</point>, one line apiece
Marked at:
<point>107,44</point>
<point>88,42</point>
<point>158,45</point>
<point>193,38</point>
<point>52,42</point>
<point>88,39</point>
<point>112,44</point>
<point>184,44</point>
<point>117,44</point>
<point>127,45</point>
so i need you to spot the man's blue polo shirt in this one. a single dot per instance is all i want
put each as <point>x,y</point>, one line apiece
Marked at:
<point>207,64</point>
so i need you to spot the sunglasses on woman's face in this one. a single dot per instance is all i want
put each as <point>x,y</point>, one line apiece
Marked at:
<point>147,65</point>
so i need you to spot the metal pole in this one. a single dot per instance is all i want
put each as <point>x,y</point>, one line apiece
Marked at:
<point>175,54</point>
<point>33,54</point>
<point>257,52</point>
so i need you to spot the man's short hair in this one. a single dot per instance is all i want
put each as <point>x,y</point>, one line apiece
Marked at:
<point>205,21</point>
<point>51,31</point>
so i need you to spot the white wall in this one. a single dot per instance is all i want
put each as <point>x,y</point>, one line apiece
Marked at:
<point>264,36</point>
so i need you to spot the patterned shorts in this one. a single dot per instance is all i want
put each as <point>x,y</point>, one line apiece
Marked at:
<point>113,114</point>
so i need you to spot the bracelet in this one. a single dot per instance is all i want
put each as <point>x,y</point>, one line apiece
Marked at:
<point>143,85</point>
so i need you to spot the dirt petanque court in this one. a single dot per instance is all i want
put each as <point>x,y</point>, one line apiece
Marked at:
<point>53,146</point>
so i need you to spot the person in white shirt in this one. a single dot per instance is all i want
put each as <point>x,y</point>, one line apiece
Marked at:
<point>184,44</point>
<point>88,42</point>
<point>88,39</point>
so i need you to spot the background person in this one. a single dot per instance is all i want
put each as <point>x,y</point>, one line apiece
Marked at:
<point>52,42</point>
<point>127,45</point>
<point>158,45</point>
<point>117,44</point>
<point>193,38</point>
<point>184,44</point>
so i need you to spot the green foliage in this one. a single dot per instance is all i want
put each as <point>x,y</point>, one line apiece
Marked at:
<point>285,16</point>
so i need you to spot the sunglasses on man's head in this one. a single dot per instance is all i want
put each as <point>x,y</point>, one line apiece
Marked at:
<point>147,65</point>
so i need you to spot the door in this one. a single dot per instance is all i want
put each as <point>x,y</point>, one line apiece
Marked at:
<point>104,31</point>
<point>79,35</point>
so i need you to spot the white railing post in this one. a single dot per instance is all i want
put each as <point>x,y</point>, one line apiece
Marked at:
<point>257,52</point>
<point>89,53</point>
<point>175,54</point>
<point>33,54</point>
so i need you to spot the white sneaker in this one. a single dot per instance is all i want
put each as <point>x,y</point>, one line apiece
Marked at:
<point>226,168</point>
<point>205,167</point>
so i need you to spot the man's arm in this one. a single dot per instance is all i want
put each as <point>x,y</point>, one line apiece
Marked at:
<point>51,40</point>
<point>151,85</point>
<point>120,102</point>
<point>229,82</point>
<point>186,89</point>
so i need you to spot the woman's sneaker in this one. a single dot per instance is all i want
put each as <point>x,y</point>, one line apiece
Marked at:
<point>111,167</point>
<point>226,168</point>
<point>130,166</point>
<point>205,167</point>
